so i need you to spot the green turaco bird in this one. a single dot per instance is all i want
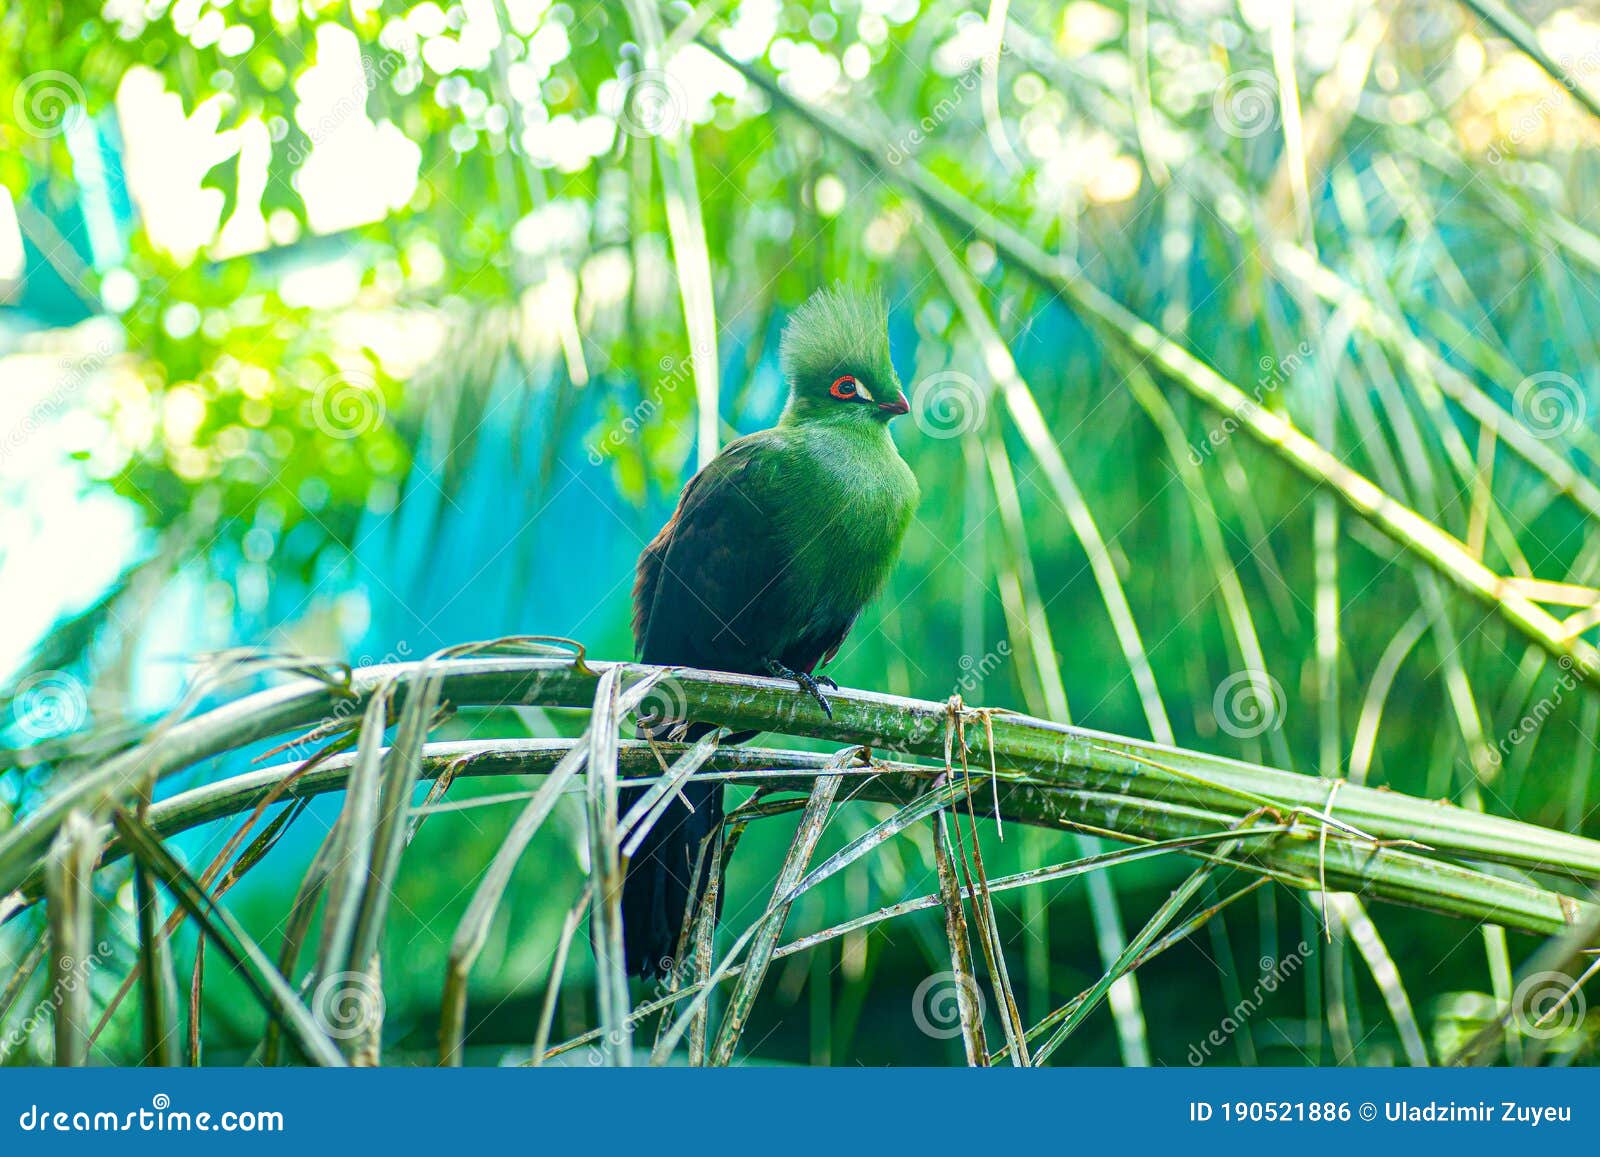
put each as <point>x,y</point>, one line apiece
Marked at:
<point>774,549</point>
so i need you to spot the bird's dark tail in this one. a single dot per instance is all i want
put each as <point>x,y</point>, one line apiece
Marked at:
<point>662,884</point>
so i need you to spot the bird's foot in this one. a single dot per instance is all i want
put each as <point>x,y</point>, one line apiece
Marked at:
<point>824,681</point>
<point>807,684</point>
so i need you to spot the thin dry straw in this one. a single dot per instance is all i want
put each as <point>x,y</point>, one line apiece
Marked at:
<point>922,903</point>
<point>558,969</point>
<point>968,1005</point>
<point>1107,763</point>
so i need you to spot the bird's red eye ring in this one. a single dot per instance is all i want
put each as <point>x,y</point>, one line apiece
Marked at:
<point>844,389</point>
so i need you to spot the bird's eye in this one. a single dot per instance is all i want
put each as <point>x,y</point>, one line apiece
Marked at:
<point>848,389</point>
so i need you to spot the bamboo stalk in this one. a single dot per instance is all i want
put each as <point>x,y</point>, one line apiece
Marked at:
<point>1387,874</point>
<point>1048,774</point>
<point>1029,751</point>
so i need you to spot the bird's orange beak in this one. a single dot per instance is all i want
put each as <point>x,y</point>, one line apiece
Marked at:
<point>899,406</point>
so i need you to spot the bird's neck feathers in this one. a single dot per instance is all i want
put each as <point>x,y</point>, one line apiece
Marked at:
<point>867,437</point>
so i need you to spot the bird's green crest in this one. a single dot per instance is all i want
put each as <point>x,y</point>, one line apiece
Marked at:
<point>838,331</point>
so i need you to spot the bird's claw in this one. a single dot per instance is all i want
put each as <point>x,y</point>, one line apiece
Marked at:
<point>810,685</point>
<point>824,681</point>
<point>807,684</point>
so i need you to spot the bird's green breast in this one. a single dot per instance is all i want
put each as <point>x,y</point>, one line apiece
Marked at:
<point>844,502</point>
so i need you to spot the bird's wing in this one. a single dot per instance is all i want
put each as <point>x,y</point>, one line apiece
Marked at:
<point>706,584</point>
<point>706,486</point>
<point>645,578</point>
